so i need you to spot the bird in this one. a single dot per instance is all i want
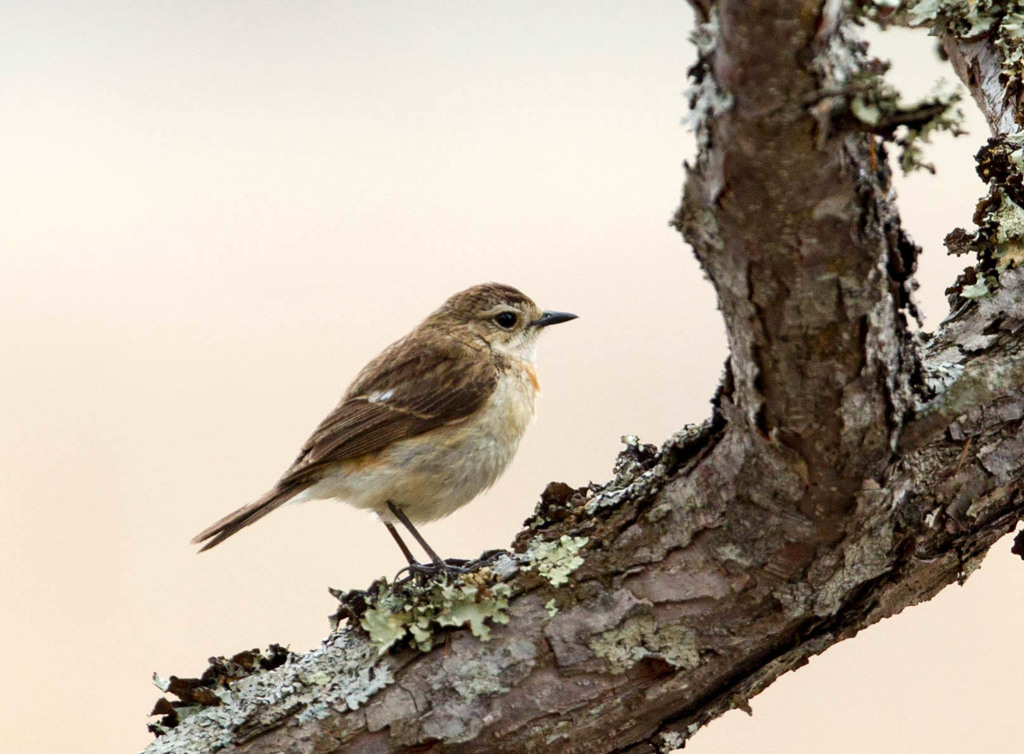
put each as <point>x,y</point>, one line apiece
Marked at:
<point>427,425</point>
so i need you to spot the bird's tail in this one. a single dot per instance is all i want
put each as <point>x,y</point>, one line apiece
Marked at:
<point>239,519</point>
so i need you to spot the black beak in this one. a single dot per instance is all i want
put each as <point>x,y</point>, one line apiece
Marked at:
<point>552,318</point>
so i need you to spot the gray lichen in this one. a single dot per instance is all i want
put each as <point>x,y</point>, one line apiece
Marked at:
<point>706,99</point>
<point>633,478</point>
<point>863,559</point>
<point>640,636</point>
<point>343,674</point>
<point>669,742</point>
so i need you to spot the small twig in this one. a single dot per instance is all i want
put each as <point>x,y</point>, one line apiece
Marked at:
<point>963,456</point>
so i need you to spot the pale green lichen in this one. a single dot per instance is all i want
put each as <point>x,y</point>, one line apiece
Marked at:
<point>551,607</point>
<point>415,613</point>
<point>998,240</point>
<point>878,106</point>
<point>639,637</point>
<point>865,111</point>
<point>949,120</point>
<point>974,17</point>
<point>557,560</point>
<point>1009,234</point>
<point>386,624</point>
<point>318,678</point>
<point>475,678</point>
<point>977,290</point>
<point>1003,21</point>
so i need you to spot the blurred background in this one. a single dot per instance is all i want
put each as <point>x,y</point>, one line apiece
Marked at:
<point>213,214</point>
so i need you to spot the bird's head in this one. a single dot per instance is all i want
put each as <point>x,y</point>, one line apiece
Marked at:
<point>500,315</point>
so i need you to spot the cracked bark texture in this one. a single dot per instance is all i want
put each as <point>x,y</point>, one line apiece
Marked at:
<point>851,469</point>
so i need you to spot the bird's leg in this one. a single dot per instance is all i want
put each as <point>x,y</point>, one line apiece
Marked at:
<point>437,565</point>
<point>397,513</point>
<point>401,545</point>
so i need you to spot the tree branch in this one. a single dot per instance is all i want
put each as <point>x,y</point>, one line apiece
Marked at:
<point>807,256</point>
<point>850,469</point>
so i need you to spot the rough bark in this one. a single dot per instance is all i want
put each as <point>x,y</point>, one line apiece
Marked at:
<point>851,468</point>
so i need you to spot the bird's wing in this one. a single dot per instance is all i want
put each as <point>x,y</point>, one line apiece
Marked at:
<point>409,389</point>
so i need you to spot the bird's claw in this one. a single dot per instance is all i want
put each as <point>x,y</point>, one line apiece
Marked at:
<point>450,567</point>
<point>428,571</point>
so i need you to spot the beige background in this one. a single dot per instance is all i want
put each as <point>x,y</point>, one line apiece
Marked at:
<point>211,215</point>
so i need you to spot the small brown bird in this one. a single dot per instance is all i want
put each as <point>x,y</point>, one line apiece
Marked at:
<point>427,425</point>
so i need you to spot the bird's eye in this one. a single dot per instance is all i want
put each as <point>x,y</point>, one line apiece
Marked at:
<point>507,320</point>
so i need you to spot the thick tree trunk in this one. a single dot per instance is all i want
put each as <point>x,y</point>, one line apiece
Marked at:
<point>851,468</point>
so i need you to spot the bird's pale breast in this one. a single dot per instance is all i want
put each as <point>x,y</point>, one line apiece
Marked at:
<point>434,474</point>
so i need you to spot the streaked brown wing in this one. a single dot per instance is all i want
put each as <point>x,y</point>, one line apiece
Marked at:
<point>411,388</point>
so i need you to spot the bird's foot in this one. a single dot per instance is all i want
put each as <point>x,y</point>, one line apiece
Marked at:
<point>428,571</point>
<point>450,567</point>
<point>472,565</point>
